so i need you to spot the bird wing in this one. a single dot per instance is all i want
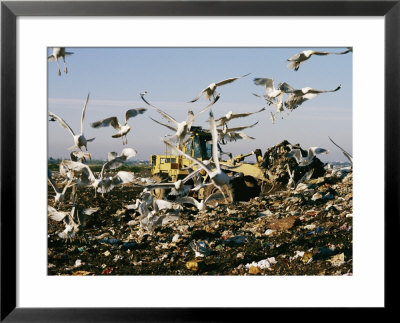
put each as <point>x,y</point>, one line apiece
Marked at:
<point>164,124</point>
<point>55,215</point>
<point>296,57</point>
<point>349,157</point>
<point>284,87</point>
<point>241,115</point>
<point>212,197</point>
<point>238,135</point>
<point>111,155</point>
<point>312,151</point>
<point>52,182</point>
<point>198,97</point>
<point>214,134</point>
<point>133,113</point>
<point>240,128</point>
<point>319,53</point>
<point>163,114</point>
<point>51,58</point>
<point>188,200</point>
<point>62,122</point>
<point>113,121</point>
<point>68,53</point>
<point>296,154</point>
<point>83,111</point>
<point>77,166</point>
<point>191,175</point>
<point>123,177</point>
<point>230,80</point>
<point>314,91</point>
<point>267,82</point>
<point>191,118</point>
<point>128,153</point>
<point>91,210</point>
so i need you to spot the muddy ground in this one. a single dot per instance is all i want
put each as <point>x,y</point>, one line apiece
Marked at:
<point>307,231</point>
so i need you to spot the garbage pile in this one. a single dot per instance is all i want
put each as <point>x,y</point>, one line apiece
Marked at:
<point>301,229</point>
<point>278,166</point>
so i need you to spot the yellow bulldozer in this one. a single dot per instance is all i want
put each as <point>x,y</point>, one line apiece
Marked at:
<point>248,177</point>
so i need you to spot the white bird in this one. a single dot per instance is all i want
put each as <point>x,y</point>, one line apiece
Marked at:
<point>101,184</point>
<point>159,205</point>
<point>60,194</point>
<point>79,139</point>
<point>80,156</point>
<point>115,160</point>
<point>178,187</point>
<point>71,226</point>
<point>209,91</point>
<point>304,160</point>
<point>182,129</point>
<point>218,177</point>
<point>230,116</point>
<point>232,134</point>
<point>273,96</point>
<point>122,129</point>
<point>348,156</point>
<point>202,205</point>
<point>59,52</point>
<point>298,59</point>
<point>299,96</point>
<point>292,184</point>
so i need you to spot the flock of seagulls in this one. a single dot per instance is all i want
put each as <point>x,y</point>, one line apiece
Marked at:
<point>152,212</point>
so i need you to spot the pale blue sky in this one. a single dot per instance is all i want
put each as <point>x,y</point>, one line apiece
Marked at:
<point>173,76</point>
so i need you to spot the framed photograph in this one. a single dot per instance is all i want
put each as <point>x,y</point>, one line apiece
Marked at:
<point>114,209</point>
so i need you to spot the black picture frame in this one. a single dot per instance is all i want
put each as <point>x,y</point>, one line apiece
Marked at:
<point>10,10</point>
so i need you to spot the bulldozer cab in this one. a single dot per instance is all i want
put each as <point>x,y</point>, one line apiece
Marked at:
<point>170,166</point>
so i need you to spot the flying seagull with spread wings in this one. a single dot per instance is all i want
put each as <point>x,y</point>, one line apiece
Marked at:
<point>79,139</point>
<point>296,60</point>
<point>122,129</point>
<point>209,91</point>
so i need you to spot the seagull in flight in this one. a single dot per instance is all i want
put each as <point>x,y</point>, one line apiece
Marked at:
<point>299,96</point>
<point>298,59</point>
<point>79,139</point>
<point>182,129</point>
<point>348,156</point>
<point>209,91</point>
<point>60,194</point>
<point>233,134</point>
<point>273,96</point>
<point>230,116</point>
<point>122,129</point>
<point>59,52</point>
<point>306,159</point>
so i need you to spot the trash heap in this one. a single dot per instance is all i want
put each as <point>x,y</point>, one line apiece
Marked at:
<point>277,164</point>
<point>301,231</point>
